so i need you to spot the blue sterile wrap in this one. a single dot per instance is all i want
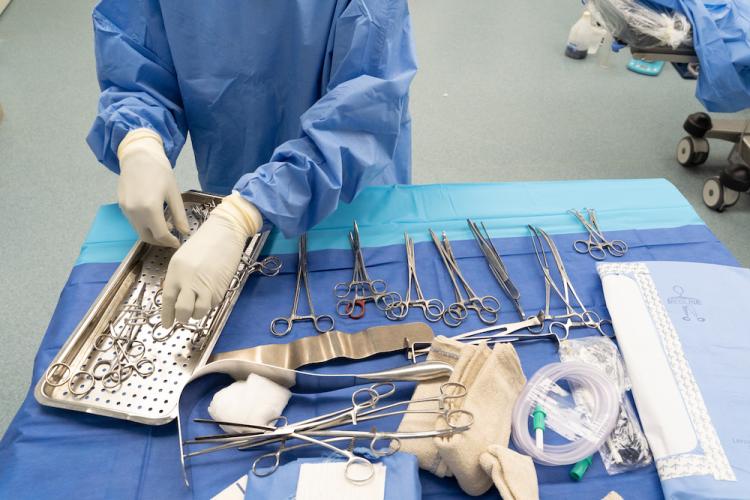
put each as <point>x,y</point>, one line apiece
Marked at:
<point>100,457</point>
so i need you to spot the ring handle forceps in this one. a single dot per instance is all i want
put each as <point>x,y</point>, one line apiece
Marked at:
<point>487,307</point>
<point>364,408</point>
<point>573,317</point>
<point>322,323</point>
<point>364,288</point>
<point>597,245</point>
<point>433,309</point>
<point>497,266</point>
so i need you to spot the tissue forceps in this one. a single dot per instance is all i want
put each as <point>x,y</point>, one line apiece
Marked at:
<point>364,288</point>
<point>597,245</point>
<point>573,318</point>
<point>487,307</point>
<point>497,266</point>
<point>322,323</point>
<point>433,309</point>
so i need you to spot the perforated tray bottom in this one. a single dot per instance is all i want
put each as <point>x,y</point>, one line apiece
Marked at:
<point>151,397</point>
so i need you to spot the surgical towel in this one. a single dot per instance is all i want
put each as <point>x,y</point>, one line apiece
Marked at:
<point>493,380</point>
<point>492,390</point>
<point>685,342</point>
<point>513,474</point>
<point>466,359</point>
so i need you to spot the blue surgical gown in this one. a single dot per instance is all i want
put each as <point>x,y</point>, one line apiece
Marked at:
<point>721,36</point>
<point>296,104</point>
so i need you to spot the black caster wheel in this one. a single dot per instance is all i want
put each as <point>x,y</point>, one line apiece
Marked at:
<point>717,196</point>
<point>698,124</point>
<point>692,151</point>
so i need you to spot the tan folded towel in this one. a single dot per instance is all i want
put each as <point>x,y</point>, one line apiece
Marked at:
<point>514,474</point>
<point>464,358</point>
<point>493,387</point>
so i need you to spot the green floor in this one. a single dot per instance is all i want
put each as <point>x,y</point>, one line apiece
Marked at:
<point>494,100</point>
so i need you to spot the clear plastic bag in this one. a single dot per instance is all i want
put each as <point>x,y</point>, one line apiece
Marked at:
<point>626,447</point>
<point>640,26</point>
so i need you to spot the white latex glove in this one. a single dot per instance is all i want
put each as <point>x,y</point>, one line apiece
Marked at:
<point>200,271</point>
<point>146,182</point>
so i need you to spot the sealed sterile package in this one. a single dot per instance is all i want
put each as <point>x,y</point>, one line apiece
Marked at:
<point>642,26</point>
<point>626,448</point>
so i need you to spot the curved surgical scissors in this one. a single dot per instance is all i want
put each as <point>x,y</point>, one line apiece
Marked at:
<point>322,323</point>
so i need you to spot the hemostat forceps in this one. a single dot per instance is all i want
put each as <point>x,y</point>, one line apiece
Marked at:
<point>576,315</point>
<point>497,266</point>
<point>487,307</point>
<point>322,323</point>
<point>320,430</point>
<point>597,245</point>
<point>433,309</point>
<point>362,286</point>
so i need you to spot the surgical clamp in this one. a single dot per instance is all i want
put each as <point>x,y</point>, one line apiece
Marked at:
<point>319,430</point>
<point>433,309</point>
<point>597,245</point>
<point>497,266</point>
<point>323,323</point>
<point>487,307</point>
<point>364,288</point>
<point>573,318</point>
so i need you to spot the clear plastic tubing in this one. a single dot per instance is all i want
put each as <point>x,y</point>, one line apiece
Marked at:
<point>605,401</point>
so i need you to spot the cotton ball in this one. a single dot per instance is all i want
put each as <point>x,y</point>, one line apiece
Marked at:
<point>255,401</point>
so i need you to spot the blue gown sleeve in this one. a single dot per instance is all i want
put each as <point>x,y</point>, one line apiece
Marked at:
<point>349,136</point>
<point>137,79</point>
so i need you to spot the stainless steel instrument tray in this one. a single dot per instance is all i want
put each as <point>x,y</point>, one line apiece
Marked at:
<point>115,335</point>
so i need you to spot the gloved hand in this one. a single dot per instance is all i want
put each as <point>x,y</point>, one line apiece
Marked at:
<point>146,182</point>
<point>200,271</point>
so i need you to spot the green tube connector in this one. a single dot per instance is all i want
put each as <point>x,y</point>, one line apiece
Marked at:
<point>539,416</point>
<point>580,468</point>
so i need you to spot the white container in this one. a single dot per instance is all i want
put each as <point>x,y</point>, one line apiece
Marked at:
<point>581,37</point>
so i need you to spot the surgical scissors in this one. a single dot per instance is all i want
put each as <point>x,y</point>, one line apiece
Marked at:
<point>364,288</point>
<point>322,323</point>
<point>497,266</point>
<point>487,307</point>
<point>433,309</point>
<point>583,317</point>
<point>597,245</point>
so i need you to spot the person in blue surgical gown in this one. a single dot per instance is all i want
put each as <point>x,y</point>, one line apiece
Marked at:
<point>291,105</point>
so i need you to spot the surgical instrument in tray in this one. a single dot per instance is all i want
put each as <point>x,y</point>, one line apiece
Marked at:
<point>597,245</point>
<point>497,266</point>
<point>321,430</point>
<point>487,307</point>
<point>322,323</point>
<point>119,361</point>
<point>433,309</point>
<point>363,288</point>
<point>576,315</point>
